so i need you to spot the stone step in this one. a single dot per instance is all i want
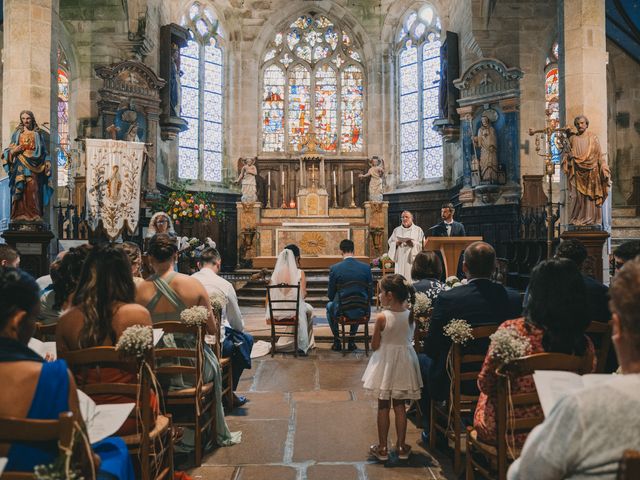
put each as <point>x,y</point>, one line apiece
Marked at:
<point>624,234</point>
<point>247,301</point>
<point>623,212</point>
<point>633,222</point>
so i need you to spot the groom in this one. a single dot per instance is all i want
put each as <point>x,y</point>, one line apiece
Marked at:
<point>348,270</point>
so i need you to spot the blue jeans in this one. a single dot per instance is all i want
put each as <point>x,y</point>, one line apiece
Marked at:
<point>332,318</point>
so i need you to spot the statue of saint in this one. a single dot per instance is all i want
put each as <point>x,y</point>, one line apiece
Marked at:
<point>248,175</point>
<point>175,100</point>
<point>376,172</point>
<point>588,176</point>
<point>487,140</point>
<point>27,163</point>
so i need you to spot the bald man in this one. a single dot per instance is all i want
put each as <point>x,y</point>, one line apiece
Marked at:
<point>404,244</point>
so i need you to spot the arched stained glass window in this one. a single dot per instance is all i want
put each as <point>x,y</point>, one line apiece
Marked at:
<point>552,99</point>
<point>201,62</point>
<point>421,155</point>
<point>63,119</point>
<point>312,81</point>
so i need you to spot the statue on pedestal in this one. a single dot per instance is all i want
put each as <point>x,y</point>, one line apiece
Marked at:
<point>248,175</point>
<point>175,86</point>
<point>588,175</point>
<point>27,163</point>
<point>487,140</point>
<point>376,184</point>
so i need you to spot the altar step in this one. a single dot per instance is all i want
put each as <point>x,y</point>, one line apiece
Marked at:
<point>253,293</point>
<point>625,225</point>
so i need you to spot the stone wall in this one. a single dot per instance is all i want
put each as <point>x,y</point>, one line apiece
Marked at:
<point>624,121</point>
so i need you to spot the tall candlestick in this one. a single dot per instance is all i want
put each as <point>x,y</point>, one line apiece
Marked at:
<point>353,191</point>
<point>351,172</point>
<point>282,177</point>
<point>269,189</point>
<point>334,177</point>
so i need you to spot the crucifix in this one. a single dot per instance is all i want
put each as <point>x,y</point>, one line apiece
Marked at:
<point>313,170</point>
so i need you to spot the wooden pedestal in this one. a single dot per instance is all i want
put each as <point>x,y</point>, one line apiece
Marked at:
<point>33,247</point>
<point>593,240</point>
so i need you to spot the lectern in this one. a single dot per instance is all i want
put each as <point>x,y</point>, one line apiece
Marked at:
<point>450,248</point>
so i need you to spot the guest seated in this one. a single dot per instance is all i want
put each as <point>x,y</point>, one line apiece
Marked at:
<point>287,270</point>
<point>479,302</point>
<point>626,251</point>
<point>587,431</point>
<point>65,277</point>
<point>9,256</point>
<point>35,389</point>
<point>135,258</point>
<point>103,307</point>
<point>236,343</point>
<point>555,322</point>
<point>425,272</point>
<point>45,282</point>
<point>348,270</point>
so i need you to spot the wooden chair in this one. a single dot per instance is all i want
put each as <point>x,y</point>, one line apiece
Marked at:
<point>498,456</point>
<point>600,333</point>
<point>353,302</point>
<point>225,365</point>
<point>201,397</point>
<point>376,292</point>
<point>45,332</point>
<point>284,313</point>
<point>466,369</point>
<point>629,465</point>
<point>152,447</point>
<point>28,430</point>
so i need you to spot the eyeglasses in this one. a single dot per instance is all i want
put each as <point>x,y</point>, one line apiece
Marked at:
<point>162,220</point>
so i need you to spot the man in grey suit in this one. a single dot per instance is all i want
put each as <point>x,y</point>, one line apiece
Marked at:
<point>348,270</point>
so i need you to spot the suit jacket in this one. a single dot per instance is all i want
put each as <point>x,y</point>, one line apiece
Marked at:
<point>480,302</point>
<point>350,270</point>
<point>440,230</point>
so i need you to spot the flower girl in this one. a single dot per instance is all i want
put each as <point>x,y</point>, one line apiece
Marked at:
<point>393,373</point>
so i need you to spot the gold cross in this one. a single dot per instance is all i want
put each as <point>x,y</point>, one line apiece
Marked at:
<point>313,173</point>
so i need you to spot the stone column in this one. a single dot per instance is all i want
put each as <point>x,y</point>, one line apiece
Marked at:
<point>27,55</point>
<point>584,71</point>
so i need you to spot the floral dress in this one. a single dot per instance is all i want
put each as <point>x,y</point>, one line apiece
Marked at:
<point>484,420</point>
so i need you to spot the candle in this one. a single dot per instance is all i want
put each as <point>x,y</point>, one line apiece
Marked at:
<point>351,172</point>
<point>282,177</point>
<point>269,179</point>
<point>334,178</point>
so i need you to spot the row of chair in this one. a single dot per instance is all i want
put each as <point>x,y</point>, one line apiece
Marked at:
<point>521,257</point>
<point>152,447</point>
<point>447,418</point>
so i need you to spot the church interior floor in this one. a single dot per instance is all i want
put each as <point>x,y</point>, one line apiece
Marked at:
<point>309,418</point>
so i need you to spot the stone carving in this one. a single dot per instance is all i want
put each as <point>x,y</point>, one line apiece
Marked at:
<point>376,184</point>
<point>588,175</point>
<point>487,141</point>
<point>175,100</point>
<point>248,175</point>
<point>27,164</point>
<point>488,79</point>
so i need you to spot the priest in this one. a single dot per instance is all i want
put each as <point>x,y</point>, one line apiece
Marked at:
<point>404,244</point>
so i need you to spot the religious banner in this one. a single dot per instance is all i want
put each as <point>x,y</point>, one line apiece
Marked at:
<point>114,170</point>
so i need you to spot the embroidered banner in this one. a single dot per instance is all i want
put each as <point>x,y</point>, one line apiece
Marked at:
<point>114,171</point>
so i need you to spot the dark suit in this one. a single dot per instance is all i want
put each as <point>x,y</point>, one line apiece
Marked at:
<point>480,302</point>
<point>440,230</point>
<point>348,270</point>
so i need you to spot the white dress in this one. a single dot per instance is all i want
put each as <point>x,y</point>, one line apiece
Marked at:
<point>393,371</point>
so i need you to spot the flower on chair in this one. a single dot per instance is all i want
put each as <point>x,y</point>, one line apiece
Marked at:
<point>459,331</point>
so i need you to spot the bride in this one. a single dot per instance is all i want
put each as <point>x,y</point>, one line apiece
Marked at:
<point>287,271</point>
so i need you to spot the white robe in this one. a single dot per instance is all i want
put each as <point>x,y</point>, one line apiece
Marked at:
<point>403,255</point>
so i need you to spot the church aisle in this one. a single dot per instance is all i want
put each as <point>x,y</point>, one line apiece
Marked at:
<point>309,418</point>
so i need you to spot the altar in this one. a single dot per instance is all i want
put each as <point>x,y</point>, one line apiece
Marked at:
<point>325,206</point>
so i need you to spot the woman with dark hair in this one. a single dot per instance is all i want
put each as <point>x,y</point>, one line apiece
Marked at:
<point>103,307</point>
<point>135,258</point>
<point>64,278</point>
<point>425,272</point>
<point>166,294</point>
<point>555,321</point>
<point>36,389</point>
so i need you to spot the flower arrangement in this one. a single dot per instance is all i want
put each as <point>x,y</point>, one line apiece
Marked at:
<point>136,340</point>
<point>218,302</point>
<point>194,316</point>
<point>422,304</point>
<point>189,248</point>
<point>507,344</point>
<point>383,260</point>
<point>459,331</point>
<point>55,471</point>
<point>187,207</point>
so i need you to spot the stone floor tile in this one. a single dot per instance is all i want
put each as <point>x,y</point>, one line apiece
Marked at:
<point>286,375</point>
<point>262,406</point>
<point>337,375</point>
<point>332,472</point>
<point>319,396</point>
<point>267,472</point>
<point>262,442</point>
<point>208,472</point>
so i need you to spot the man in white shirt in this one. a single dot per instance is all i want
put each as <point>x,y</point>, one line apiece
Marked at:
<point>587,431</point>
<point>404,244</point>
<point>236,342</point>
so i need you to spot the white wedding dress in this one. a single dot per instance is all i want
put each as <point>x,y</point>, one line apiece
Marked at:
<point>287,271</point>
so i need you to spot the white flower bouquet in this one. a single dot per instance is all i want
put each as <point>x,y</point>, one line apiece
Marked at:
<point>421,305</point>
<point>136,340</point>
<point>459,331</point>
<point>194,316</point>
<point>218,302</point>
<point>507,344</point>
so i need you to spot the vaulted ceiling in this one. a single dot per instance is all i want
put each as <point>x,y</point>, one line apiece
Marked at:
<point>623,25</point>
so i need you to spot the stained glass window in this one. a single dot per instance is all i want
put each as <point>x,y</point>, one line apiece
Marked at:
<point>312,76</point>
<point>200,147</point>
<point>552,100</point>
<point>63,119</point>
<point>421,155</point>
